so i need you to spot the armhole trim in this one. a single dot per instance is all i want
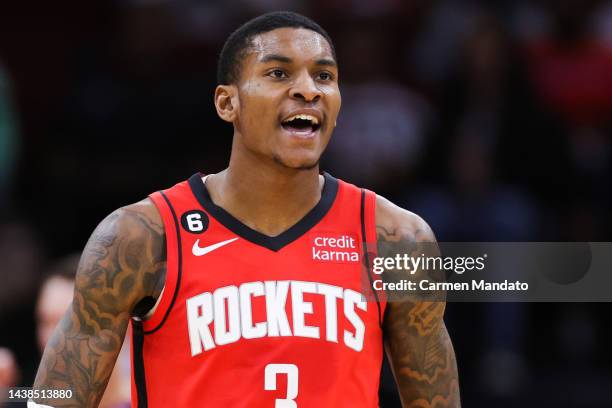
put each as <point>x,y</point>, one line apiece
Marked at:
<point>368,233</point>
<point>173,264</point>
<point>139,382</point>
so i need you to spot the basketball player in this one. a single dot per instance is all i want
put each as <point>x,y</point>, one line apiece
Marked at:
<point>244,287</point>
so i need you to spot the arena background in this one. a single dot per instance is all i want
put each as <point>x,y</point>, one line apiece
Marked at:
<point>489,119</point>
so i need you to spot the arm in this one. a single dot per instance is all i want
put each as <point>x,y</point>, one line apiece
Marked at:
<point>123,263</point>
<point>416,340</point>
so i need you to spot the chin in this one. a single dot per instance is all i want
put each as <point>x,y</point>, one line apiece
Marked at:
<point>301,163</point>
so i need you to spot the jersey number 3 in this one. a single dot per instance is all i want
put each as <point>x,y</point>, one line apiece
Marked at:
<point>272,370</point>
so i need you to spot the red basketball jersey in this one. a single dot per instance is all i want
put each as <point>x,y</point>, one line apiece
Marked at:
<point>248,320</point>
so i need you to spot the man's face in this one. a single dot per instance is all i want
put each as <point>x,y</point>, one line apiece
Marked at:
<point>288,97</point>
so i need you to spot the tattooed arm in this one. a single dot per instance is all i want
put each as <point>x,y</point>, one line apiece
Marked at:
<point>416,340</point>
<point>122,264</point>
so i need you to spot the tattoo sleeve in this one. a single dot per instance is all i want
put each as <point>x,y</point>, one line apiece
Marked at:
<point>123,262</point>
<point>416,340</point>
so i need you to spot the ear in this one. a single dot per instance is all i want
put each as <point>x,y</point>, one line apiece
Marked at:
<point>226,102</point>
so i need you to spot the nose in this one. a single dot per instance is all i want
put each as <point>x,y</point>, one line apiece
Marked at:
<point>305,88</point>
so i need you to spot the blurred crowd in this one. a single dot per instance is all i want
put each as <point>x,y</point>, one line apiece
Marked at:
<point>491,119</point>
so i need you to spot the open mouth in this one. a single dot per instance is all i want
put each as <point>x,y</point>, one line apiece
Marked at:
<point>301,123</point>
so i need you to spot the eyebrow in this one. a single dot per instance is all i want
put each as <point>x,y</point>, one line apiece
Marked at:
<point>286,60</point>
<point>275,57</point>
<point>326,62</point>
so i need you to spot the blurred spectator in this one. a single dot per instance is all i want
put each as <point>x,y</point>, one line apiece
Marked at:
<point>54,299</point>
<point>487,96</point>
<point>382,124</point>
<point>8,369</point>
<point>9,372</point>
<point>495,212</point>
<point>436,49</point>
<point>386,138</point>
<point>571,68</point>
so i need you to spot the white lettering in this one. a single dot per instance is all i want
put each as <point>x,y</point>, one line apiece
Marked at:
<point>247,290</point>
<point>230,310</point>
<point>199,316</point>
<point>332,294</point>
<point>301,308</point>
<point>276,298</point>
<point>352,299</point>
<point>226,331</point>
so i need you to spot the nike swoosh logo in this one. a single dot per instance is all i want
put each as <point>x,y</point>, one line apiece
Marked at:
<point>199,251</point>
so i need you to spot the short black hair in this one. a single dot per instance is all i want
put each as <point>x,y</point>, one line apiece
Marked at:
<point>237,44</point>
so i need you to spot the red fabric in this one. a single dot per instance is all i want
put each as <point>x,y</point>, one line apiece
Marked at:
<point>330,373</point>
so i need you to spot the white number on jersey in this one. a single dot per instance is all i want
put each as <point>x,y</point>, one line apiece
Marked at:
<point>194,221</point>
<point>272,370</point>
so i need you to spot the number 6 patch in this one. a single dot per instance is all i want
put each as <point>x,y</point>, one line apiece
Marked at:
<point>194,221</point>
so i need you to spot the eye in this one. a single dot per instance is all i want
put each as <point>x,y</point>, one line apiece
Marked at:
<point>325,76</point>
<point>277,74</point>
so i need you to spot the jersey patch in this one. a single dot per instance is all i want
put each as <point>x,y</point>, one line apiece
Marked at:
<point>195,221</point>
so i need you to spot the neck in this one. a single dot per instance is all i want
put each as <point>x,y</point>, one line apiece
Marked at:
<point>268,197</point>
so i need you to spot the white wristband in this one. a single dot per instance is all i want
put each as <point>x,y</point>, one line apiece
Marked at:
<point>32,404</point>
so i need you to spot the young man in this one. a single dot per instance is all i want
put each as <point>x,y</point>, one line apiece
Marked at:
<point>245,287</point>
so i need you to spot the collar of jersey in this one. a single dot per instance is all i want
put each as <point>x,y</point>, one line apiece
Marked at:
<point>328,196</point>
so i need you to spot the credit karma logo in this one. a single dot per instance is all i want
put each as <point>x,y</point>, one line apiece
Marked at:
<point>335,247</point>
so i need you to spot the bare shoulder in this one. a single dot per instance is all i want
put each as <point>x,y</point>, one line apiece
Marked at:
<point>140,216</point>
<point>394,221</point>
<point>126,254</point>
<point>402,232</point>
<point>133,218</point>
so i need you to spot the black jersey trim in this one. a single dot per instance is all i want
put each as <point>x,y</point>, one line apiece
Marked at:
<point>180,266</point>
<point>138,364</point>
<point>366,254</point>
<point>328,196</point>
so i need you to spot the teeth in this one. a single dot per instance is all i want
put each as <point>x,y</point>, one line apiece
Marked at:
<point>302,116</point>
